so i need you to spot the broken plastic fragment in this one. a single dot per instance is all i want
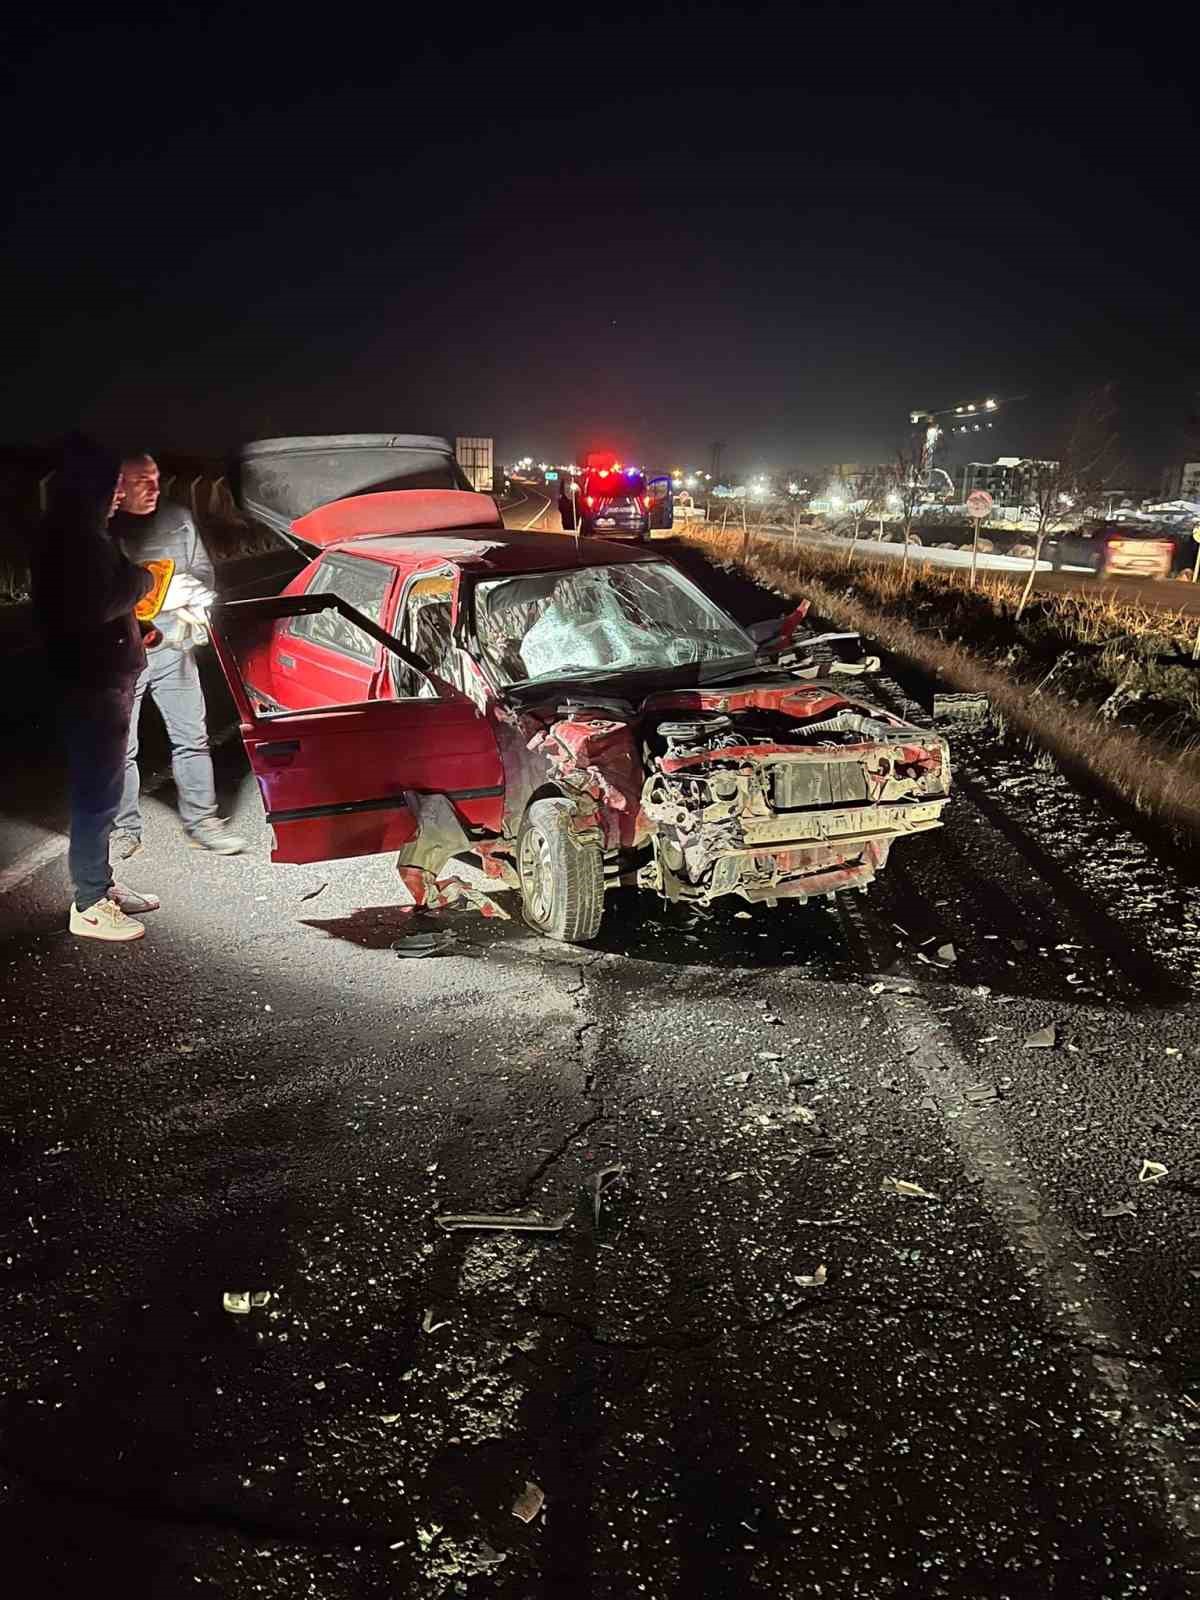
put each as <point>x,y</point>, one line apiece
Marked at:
<point>522,1222</point>
<point>428,1325</point>
<point>601,1182</point>
<point>811,1280</point>
<point>529,1502</point>
<point>414,945</point>
<point>1151,1172</point>
<point>737,1077</point>
<point>1122,1208</point>
<point>313,893</point>
<point>240,1301</point>
<point>981,1093</point>
<point>1044,1039</point>
<point>902,1186</point>
<point>947,953</point>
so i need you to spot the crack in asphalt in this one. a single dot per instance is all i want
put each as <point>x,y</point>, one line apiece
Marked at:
<point>599,1114</point>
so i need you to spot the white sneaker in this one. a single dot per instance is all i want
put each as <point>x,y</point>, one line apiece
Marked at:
<point>105,920</point>
<point>132,901</point>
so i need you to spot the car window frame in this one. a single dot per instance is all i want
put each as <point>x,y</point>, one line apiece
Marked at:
<point>400,616</point>
<point>345,558</point>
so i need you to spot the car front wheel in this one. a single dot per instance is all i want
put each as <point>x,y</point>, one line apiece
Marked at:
<point>562,878</point>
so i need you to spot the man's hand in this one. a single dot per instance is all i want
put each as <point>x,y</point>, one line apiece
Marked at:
<point>184,591</point>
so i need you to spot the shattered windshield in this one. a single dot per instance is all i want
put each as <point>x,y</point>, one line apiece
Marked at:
<point>600,619</point>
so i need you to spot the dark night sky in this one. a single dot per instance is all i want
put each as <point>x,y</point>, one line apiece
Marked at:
<point>775,226</point>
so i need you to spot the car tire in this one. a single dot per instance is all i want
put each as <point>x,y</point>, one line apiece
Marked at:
<point>562,878</point>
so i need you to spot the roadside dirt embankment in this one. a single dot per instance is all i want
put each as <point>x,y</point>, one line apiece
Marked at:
<point>1106,688</point>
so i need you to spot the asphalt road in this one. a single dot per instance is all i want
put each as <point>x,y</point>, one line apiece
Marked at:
<point>760,1369</point>
<point>1155,594</point>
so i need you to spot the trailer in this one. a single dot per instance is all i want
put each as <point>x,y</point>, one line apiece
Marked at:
<point>476,458</point>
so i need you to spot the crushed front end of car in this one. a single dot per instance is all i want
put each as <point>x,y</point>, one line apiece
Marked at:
<point>780,792</point>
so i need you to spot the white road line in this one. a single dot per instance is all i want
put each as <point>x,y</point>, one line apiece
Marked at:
<point>40,855</point>
<point>24,867</point>
<point>538,515</point>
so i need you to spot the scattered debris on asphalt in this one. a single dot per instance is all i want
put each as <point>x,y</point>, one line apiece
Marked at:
<point>1151,1172</point>
<point>602,1181</point>
<point>428,1325</point>
<point>313,893</point>
<point>902,1186</point>
<point>737,1079</point>
<point>771,1118</point>
<point>1121,1208</point>
<point>836,1430</point>
<point>1044,1039</point>
<point>529,1502</point>
<point>241,1301</point>
<point>811,1280</point>
<point>519,1222</point>
<point>414,945</point>
<point>978,1094</point>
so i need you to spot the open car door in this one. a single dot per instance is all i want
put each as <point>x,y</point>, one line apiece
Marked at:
<point>335,781</point>
<point>660,502</point>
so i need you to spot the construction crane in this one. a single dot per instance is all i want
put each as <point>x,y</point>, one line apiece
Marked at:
<point>970,418</point>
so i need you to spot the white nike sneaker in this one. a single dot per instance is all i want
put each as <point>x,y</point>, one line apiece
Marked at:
<point>132,901</point>
<point>105,920</point>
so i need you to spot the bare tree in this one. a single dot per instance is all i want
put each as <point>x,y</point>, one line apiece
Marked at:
<point>1058,492</point>
<point>870,490</point>
<point>909,489</point>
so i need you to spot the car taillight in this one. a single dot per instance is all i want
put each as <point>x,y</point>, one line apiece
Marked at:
<point>591,500</point>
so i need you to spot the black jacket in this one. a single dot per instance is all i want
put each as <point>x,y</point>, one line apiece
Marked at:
<point>84,592</point>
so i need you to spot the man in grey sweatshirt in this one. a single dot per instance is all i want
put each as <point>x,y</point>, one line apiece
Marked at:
<point>149,530</point>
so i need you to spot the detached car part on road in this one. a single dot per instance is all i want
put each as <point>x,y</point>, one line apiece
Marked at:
<point>568,715</point>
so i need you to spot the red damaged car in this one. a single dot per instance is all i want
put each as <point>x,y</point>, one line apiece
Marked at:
<point>569,715</point>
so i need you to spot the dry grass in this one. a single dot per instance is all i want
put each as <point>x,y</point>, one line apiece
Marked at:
<point>1157,776</point>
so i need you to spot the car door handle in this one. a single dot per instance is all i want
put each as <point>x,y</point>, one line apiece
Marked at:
<point>280,753</point>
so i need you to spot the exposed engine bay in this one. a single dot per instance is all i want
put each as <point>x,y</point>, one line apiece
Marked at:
<point>769,790</point>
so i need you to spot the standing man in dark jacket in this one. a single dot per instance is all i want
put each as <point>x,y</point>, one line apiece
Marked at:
<point>149,530</point>
<point>84,592</point>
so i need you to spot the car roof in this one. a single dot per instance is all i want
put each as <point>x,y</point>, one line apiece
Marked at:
<point>489,550</point>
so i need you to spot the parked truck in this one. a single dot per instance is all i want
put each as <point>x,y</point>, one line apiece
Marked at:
<point>476,458</point>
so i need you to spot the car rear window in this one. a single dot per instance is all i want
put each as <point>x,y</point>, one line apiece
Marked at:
<point>615,485</point>
<point>361,584</point>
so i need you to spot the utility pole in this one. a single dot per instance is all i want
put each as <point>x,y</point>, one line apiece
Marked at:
<point>716,461</point>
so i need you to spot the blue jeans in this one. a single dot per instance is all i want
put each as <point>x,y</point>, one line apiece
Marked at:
<point>95,727</point>
<point>173,680</point>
